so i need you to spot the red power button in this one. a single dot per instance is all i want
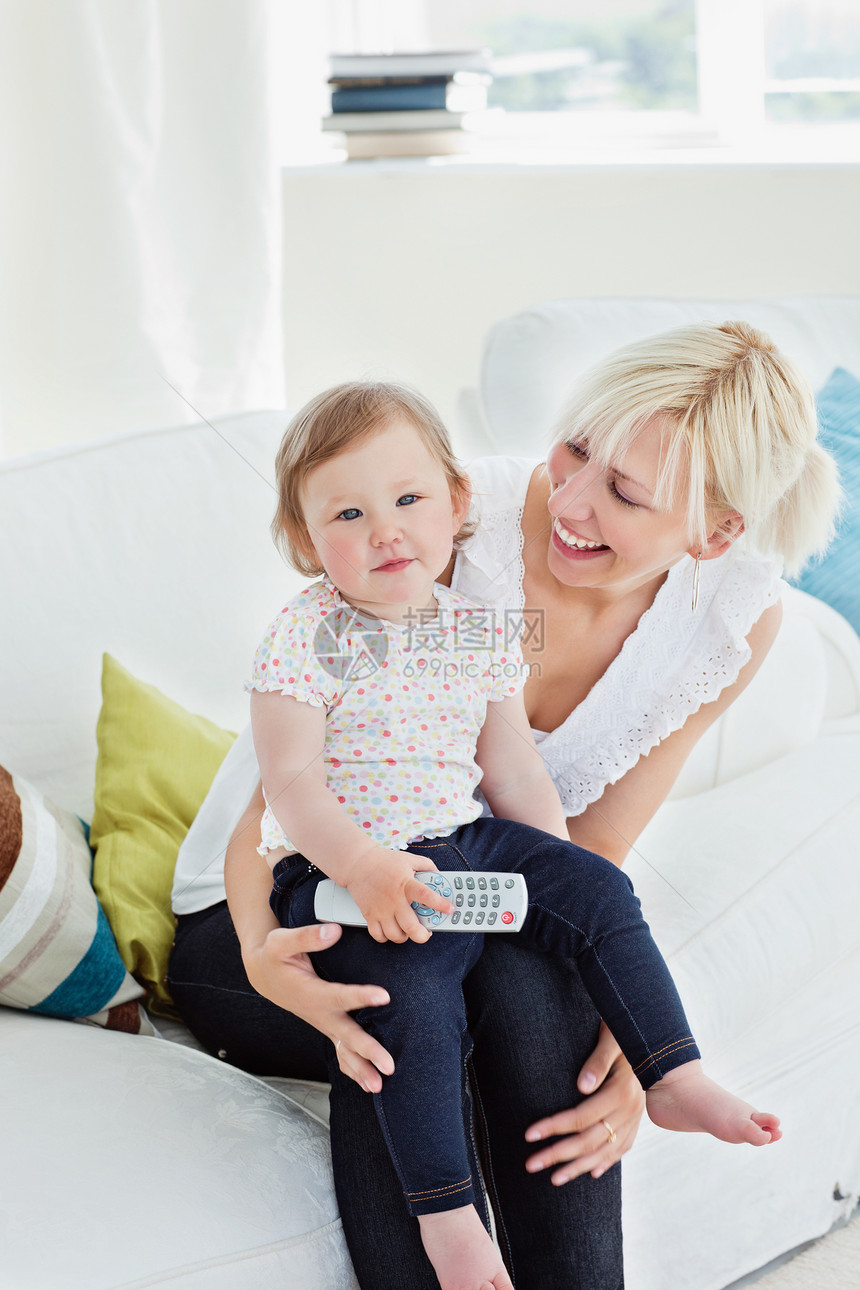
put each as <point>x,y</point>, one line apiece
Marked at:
<point>507,916</point>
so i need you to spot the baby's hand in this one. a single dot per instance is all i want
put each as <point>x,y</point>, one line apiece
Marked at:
<point>384,886</point>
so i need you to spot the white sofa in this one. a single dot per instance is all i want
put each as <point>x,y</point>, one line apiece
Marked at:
<point>133,1162</point>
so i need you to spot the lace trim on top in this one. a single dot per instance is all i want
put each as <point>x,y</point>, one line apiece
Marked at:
<point>668,667</point>
<point>492,560</point>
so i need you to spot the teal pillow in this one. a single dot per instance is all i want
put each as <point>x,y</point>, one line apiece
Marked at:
<point>836,578</point>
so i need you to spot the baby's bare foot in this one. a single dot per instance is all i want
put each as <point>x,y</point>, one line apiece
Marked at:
<point>461,1251</point>
<point>687,1101</point>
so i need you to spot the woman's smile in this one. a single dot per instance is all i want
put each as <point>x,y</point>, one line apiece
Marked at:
<point>573,542</point>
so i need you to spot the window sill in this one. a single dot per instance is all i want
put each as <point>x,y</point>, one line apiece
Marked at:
<point>536,141</point>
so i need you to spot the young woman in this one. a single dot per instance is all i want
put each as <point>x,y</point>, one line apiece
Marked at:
<point>654,619</point>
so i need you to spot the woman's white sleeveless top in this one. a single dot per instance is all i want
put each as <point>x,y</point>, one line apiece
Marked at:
<point>673,662</point>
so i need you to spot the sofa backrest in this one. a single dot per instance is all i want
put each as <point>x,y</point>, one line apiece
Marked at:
<point>153,547</point>
<point>531,360</point>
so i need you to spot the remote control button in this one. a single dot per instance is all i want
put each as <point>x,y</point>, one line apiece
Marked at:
<point>458,899</point>
<point>467,917</point>
<point>455,917</point>
<point>482,883</point>
<point>507,916</point>
<point>458,883</point>
<point>446,892</point>
<point>494,900</point>
<point>509,882</point>
<point>494,884</point>
<point>483,902</point>
<point>479,917</point>
<point>491,918</point>
<point>436,920</point>
<point>470,884</point>
<point>471,901</point>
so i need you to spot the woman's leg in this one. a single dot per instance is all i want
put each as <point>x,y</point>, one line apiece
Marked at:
<point>533,1027</point>
<point>225,1013</point>
<point>526,1013</point>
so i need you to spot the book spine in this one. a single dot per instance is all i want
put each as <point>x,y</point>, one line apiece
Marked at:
<point>439,63</point>
<point>373,82</point>
<point>371,122</point>
<point>389,98</point>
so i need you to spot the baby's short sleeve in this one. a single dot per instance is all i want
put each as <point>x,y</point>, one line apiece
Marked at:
<point>290,658</point>
<point>507,670</point>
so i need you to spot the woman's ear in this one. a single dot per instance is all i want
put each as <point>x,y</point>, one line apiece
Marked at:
<point>727,528</point>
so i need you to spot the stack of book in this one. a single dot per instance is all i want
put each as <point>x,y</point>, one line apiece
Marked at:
<point>407,105</point>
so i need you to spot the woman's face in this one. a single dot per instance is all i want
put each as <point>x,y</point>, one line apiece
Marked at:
<point>606,531</point>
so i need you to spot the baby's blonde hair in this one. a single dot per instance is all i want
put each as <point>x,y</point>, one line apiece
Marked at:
<point>327,425</point>
<point>739,427</point>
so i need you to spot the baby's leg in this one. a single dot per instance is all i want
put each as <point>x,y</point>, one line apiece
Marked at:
<point>583,907</point>
<point>463,1256</point>
<point>686,1100</point>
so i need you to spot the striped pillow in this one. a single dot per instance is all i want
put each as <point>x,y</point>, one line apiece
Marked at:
<point>57,952</point>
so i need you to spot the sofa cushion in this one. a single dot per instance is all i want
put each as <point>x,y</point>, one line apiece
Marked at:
<point>836,577</point>
<point>57,953</point>
<point>155,764</point>
<point>135,1162</point>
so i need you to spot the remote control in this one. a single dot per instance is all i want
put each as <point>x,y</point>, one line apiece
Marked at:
<point>485,902</point>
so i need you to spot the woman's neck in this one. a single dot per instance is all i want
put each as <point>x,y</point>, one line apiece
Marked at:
<point>584,628</point>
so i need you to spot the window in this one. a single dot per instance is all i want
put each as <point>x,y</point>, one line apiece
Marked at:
<point>598,74</point>
<point>596,55</point>
<point>812,60</point>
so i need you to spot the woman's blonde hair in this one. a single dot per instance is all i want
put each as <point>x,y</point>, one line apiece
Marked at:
<point>336,420</point>
<point>739,428</point>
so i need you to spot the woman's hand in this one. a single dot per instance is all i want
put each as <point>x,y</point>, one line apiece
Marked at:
<point>602,1128</point>
<point>279,968</point>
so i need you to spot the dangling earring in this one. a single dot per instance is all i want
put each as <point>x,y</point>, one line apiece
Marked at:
<point>696,581</point>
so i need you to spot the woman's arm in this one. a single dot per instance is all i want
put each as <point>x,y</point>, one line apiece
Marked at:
<point>277,963</point>
<point>611,825</point>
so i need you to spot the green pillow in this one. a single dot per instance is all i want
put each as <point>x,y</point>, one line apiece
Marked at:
<point>155,765</point>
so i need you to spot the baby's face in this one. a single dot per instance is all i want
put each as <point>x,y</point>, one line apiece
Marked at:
<point>382,521</point>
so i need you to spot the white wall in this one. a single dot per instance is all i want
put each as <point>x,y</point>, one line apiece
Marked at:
<point>397,270</point>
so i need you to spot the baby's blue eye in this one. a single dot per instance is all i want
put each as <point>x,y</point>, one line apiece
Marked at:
<point>407,499</point>
<point>351,513</point>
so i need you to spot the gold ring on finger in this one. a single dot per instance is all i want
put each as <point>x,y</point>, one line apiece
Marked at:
<point>611,1135</point>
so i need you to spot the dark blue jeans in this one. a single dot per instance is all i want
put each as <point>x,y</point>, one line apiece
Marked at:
<point>533,1027</point>
<point>581,907</point>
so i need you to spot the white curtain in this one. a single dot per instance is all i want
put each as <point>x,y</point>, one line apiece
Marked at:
<point>139,216</point>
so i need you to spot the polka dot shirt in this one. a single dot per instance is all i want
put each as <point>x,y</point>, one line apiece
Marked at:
<point>404,706</point>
